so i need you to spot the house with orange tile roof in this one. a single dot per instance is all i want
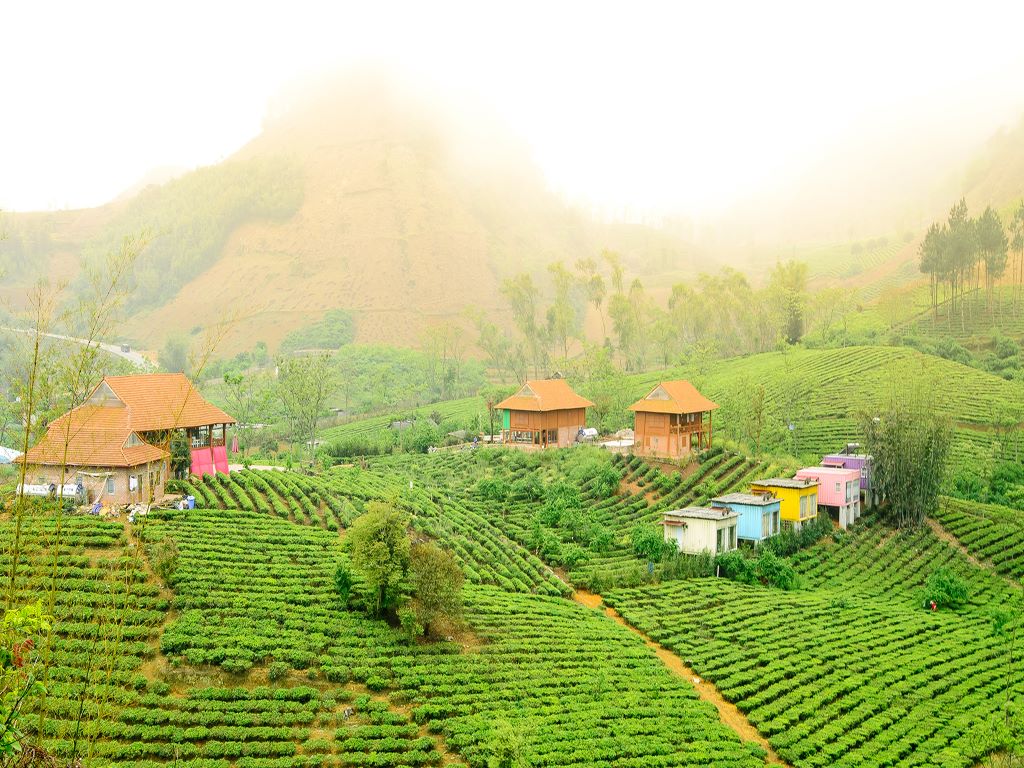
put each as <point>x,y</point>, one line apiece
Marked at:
<point>544,413</point>
<point>671,421</point>
<point>117,443</point>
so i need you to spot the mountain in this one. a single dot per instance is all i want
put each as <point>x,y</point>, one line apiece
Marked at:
<point>362,193</point>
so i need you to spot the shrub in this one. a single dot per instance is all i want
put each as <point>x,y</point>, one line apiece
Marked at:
<point>774,571</point>
<point>735,566</point>
<point>277,670</point>
<point>946,588</point>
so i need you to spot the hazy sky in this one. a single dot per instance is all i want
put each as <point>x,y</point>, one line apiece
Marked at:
<point>661,106</point>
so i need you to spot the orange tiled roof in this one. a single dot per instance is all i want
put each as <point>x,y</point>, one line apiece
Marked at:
<point>682,397</point>
<point>92,435</point>
<point>544,395</point>
<point>164,401</point>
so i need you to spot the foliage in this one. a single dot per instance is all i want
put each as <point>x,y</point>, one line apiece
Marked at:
<point>909,442</point>
<point>305,385</point>
<point>380,551</point>
<point>181,453</point>
<point>788,284</point>
<point>343,582</point>
<point>173,354</point>
<point>436,581</point>
<point>648,542</point>
<point>767,568</point>
<point>21,631</point>
<point>190,219</point>
<point>946,589</point>
<point>163,554</point>
<point>332,332</point>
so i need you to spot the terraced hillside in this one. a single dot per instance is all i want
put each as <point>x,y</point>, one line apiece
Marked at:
<point>849,669</point>
<point>448,496</point>
<point>109,612</point>
<point>821,392</point>
<point>181,677</point>
<point>992,534</point>
<point>246,658</point>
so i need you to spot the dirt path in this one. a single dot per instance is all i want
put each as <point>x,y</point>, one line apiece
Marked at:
<point>728,712</point>
<point>953,541</point>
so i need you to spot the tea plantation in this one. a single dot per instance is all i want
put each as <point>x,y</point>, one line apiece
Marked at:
<point>245,656</point>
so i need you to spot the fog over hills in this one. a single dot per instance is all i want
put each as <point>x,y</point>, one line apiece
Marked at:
<point>380,195</point>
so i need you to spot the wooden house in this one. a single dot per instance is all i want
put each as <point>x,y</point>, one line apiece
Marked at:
<point>701,529</point>
<point>672,420</point>
<point>798,498</point>
<point>849,458</point>
<point>760,514</point>
<point>117,443</point>
<point>838,491</point>
<point>544,413</point>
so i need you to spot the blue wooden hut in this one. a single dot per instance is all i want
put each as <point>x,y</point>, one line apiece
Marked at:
<point>759,514</point>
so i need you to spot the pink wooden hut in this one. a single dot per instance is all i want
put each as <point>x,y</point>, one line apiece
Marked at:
<point>838,491</point>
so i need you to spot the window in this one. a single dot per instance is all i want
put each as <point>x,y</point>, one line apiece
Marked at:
<point>110,484</point>
<point>766,525</point>
<point>839,487</point>
<point>720,540</point>
<point>776,528</point>
<point>732,537</point>
<point>132,441</point>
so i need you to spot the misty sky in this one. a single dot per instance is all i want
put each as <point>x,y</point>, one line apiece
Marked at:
<point>651,106</point>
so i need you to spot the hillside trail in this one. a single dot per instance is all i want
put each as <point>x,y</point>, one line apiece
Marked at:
<point>944,535</point>
<point>727,712</point>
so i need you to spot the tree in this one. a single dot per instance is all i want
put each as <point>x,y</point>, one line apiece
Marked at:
<point>493,395</point>
<point>564,322</point>
<point>173,356</point>
<point>648,542</point>
<point>594,287</point>
<point>993,246</point>
<point>436,581</point>
<point>380,551</point>
<point>788,283</point>
<point>443,351</point>
<point>523,297</point>
<point>629,314</point>
<point>249,394</point>
<point>493,342</point>
<point>932,251</point>
<point>757,416</point>
<point>909,442</point>
<point>304,385</point>
<point>1017,243</point>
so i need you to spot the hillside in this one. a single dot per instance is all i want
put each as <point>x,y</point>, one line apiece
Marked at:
<point>243,656</point>
<point>362,194</point>
<point>819,391</point>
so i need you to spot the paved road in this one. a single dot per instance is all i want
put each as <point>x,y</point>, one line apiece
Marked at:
<point>139,361</point>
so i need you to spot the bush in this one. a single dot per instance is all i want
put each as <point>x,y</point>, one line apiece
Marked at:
<point>773,571</point>
<point>946,589</point>
<point>376,683</point>
<point>277,670</point>
<point>649,542</point>
<point>735,566</point>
